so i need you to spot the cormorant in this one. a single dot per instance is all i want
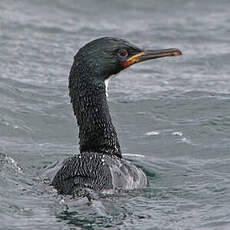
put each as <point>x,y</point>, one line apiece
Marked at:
<point>100,165</point>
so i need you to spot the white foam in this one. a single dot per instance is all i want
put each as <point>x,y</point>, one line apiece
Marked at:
<point>152,133</point>
<point>177,134</point>
<point>133,155</point>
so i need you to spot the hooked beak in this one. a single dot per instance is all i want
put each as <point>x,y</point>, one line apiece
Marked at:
<point>151,54</point>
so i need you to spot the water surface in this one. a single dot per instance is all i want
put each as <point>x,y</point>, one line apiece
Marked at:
<point>174,112</point>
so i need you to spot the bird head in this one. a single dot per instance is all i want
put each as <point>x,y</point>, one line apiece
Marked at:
<point>107,56</point>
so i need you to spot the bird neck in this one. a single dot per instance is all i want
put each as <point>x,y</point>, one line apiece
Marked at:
<point>96,131</point>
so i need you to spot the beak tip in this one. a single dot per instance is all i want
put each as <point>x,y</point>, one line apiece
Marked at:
<point>177,52</point>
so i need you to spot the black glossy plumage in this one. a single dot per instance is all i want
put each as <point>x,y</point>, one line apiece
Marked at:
<point>88,97</point>
<point>93,64</point>
<point>83,171</point>
<point>99,165</point>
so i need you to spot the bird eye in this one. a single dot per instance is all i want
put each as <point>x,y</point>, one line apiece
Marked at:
<point>122,53</point>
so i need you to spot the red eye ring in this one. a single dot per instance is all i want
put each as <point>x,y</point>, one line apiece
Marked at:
<point>122,53</point>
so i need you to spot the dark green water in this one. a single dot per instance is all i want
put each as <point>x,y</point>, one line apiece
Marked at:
<point>174,113</point>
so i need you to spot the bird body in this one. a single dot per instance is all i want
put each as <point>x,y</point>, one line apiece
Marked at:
<point>99,172</point>
<point>100,165</point>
